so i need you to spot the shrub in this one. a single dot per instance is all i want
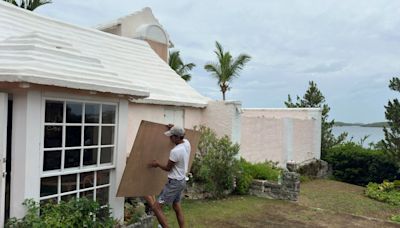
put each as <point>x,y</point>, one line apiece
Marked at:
<point>248,172</point>
<point>385,192</point>
<point>74,213</point>
<point>134,210</point>
<point>216,165</point>
<point>395,218</point>
<point>357,165</point>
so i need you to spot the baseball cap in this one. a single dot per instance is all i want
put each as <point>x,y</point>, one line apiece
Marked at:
<point>175,130</point>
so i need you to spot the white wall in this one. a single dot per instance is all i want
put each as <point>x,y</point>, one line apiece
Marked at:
<point>224,118</point>
<point>280,135</point>
<point>3,151</point>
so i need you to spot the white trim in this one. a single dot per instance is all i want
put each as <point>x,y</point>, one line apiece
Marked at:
<point>3,152</point>
<point>25,182</point>
<point>117,203</point>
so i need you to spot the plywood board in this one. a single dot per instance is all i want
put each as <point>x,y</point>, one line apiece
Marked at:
<point>150,144</point>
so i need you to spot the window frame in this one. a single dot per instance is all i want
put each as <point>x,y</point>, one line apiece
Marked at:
<point>111,167</point>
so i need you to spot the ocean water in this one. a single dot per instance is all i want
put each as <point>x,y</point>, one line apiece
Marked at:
<point>374,134</point>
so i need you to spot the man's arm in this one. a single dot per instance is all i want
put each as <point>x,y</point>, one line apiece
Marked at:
<point>167,167</point>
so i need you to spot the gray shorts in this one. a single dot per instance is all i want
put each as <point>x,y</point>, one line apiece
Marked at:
<point>172,191</point>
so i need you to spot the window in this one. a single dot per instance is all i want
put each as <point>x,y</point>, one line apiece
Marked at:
<point>78,150</point>
<point>174,116</point>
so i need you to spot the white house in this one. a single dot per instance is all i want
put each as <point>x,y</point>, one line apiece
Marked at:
<point>72,98</point>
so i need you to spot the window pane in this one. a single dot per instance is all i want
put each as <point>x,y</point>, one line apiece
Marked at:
<point>72,158</point>
<point>108,114</point>
<point>67,198</point>
<point>107,135</point>
<point>74,112</point>
<point>73,136</point>
<point>48,186</point>
<point>52,136</point>
<point>86,180</point>
<point>91,136</point>
<point>102,196</point>
<point>68,183</point>
<point>92,112</point>
<point>51,160</point>
<point>54,111</point>
<point>90,157</point>
<point>106,155</point>
<point>88,194</point>
<point>103,177</point>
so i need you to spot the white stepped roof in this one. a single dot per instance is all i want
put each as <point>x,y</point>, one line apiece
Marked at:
<point>40,50</point>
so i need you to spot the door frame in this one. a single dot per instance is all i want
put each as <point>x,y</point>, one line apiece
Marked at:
<point>3,152</point>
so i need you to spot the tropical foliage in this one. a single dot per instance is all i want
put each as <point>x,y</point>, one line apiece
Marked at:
<point>391,143</point>
<point>261,171</point>
<point>216,165</point>
<point>74,213</point>
<point>388,192</point>
<point>313,98</point>
<point>226,68</point>
<point>29,4</point>
<point>354,164</point>
<point>176,63</point>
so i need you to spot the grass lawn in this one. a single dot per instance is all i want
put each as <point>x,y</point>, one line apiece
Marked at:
<point>342,197</point>
<point>323,203</point>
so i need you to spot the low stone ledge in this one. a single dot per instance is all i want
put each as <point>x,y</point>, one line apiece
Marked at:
<point>288,189</point>
<point>145,222</point>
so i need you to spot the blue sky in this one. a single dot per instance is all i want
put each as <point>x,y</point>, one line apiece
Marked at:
<point>349,48</point>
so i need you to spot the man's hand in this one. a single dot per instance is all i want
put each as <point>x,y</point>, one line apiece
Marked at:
<point>154,164</point>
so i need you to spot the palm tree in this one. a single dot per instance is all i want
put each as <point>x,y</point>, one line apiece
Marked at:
<point>29,4</point>
<point>227,68</point>
<point>176,63</point>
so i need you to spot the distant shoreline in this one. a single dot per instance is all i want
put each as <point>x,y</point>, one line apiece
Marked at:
<point>376,124</point>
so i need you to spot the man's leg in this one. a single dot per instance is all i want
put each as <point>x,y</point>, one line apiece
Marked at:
<point>179,214</point>
<point>150,200</point>
<point>157,208</point>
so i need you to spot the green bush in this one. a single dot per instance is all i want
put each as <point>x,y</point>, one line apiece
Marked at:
<point>395,218</point>
<point>74,213</point>
<point>216,165</point>
<point>357,165</point>
<point>134,210</point>
<point>248,172</point>
<point>385,192</point>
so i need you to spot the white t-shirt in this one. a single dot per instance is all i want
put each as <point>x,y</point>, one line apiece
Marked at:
<point>180,155</point>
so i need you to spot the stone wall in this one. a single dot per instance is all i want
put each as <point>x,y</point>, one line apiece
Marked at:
<point>313,168</point>
<point>287,189</point>
<point>146,222</point>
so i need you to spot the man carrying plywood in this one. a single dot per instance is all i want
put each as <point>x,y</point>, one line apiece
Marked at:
<point>177,167</point>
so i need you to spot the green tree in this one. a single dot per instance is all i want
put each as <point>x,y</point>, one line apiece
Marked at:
<point>29,4</point>
<point>176,63</point>
<point>313,98</point>
<point>226,68</point>
<point>391,143</point>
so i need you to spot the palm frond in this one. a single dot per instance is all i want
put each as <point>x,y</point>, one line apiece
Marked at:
<point>239,63</point>
<point>176,63</point>
<point>226,68</point>
<point>33,4</point>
